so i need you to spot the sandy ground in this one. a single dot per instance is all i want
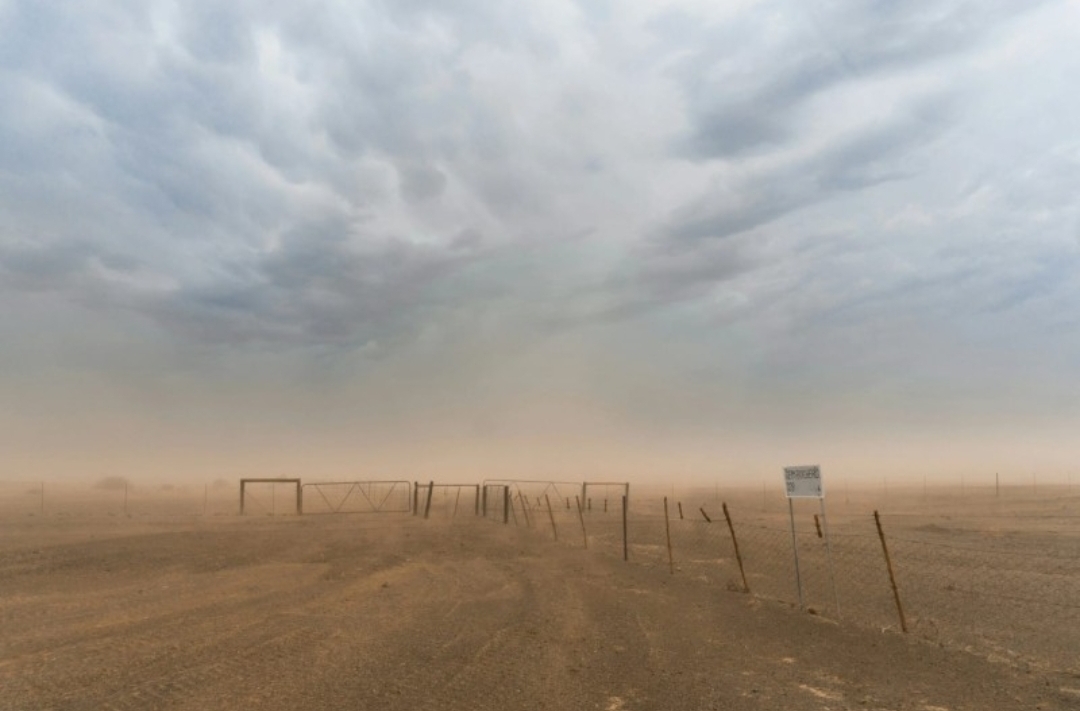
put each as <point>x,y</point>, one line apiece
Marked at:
<point>398,613</point>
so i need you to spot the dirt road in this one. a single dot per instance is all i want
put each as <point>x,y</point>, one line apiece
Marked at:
<point>328,612</point>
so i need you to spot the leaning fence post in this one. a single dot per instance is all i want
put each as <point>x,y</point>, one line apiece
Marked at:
<point>551,515</point>
<point>427,506</point>
<point>667,530</point>
<point>625,545</point>
<point>892,577</point>
<point>525,509</point>
<point>702,510</point>
<point>680,511</point>
<point>581,517</point>
<point>735,544</point>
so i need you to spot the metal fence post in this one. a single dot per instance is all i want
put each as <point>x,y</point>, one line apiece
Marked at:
<point>795,550</point>
<point>525,510</point>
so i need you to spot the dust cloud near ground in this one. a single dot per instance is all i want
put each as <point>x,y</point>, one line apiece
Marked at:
<point>397,612</point>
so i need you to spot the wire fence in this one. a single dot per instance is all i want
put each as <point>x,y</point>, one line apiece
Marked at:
<point>999,580</point>
<point>1004,591</point>
<point>116,497</point>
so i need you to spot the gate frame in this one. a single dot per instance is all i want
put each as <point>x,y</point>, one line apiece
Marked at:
<point>354,484</point>
<point>586,484</point>
<point>244,481</point>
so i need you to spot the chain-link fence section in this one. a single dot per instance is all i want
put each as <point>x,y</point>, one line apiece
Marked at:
<point>1014,597</point>
<point>1008,594</point>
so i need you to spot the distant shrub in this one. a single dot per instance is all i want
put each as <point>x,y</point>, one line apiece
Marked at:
<point>113,483</point>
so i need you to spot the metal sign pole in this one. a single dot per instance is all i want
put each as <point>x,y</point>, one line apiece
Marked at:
<point>802,483</point>
<point>795,548</point>
<point>828,553</point>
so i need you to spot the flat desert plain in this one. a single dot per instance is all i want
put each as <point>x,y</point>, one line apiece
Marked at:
<point>395,612</point>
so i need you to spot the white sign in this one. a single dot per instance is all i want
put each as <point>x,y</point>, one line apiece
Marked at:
<point>803,482</point>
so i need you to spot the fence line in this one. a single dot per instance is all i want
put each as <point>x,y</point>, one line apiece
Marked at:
<point>1004,584</point>
<point>1014,601</point>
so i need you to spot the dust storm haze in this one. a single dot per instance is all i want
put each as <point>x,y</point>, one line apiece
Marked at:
<point>577,240</point>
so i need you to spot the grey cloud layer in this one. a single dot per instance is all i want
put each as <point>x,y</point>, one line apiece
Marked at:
<point>350,176</point>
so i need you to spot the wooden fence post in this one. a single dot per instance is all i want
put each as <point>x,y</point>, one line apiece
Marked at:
<point>427,506</point>
<point>892,577</point>
<point>735,543</point>
<point>625,545</point>
<point>667,530</point>
<point>551,515</point>
<point>702,510</point>
<point>581,517</point>
<point>506,505</point>
<point>680,511</point>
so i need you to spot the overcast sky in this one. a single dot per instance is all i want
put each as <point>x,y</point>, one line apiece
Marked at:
<point>692,239</point>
